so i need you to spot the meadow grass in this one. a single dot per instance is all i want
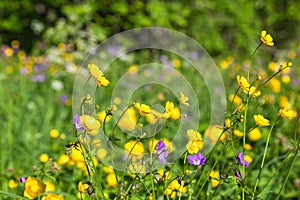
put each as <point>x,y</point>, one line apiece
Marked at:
<point>31,109</point>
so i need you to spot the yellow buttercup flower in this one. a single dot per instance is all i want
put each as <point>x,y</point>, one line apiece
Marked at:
<point>248,158</point>
<point>214,175</point>
<point>111,180</point>
<point>44,158</point>
<point>176,113</point>
<point>164,175</point>
<point>134,147</point>
<point>12,183</point>
<point>98,75</point>
<point>261,121</point>
<point>169,108</point>
<point>54,133</point>
<point>238,133</point>
<point>183,99</point>
<point>33,187</point>
<point>143,109</point>
<point>53,197</point>
<point>94,71</point>
<point>82,187</point>
<point>49,186</point>
<point>175,189</point>
<point>128,120</point>
<point>246,87</point>
<point>254,135</point>
<point>102,81</point>
<point>101,116</point>
<point>284,113</point>
<point>195,143</point>
<point>90,124</point>
<point>266,38</point>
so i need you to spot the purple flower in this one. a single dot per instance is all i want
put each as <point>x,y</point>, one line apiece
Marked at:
<point>195,56</point>
<point>77,124</point>
<point>63,98</point>
<point>238,175</point>
<point>38,78</point>
<point>22,180</point>
<point>240,159</point>
<point>161,152</point>
<point>196,159</point>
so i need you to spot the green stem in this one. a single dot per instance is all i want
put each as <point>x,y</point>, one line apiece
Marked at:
<point>293,161</point>
<point>263,160</point>
<point>244,142</point>
<point>251,58</point>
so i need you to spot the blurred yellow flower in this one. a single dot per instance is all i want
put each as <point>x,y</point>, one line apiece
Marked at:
<point>54,133</point>
<point>44,158</point>
<point>214,175</point>
<point>101,116</point>
<point>169,107</point>
<point>133,69</point>
<point>183,99</point>
<point>275,85</point>
<point>235,99</point>
<point>238,133</point>
<point>284,113</point>
<point>213,133</point>
<point>98,75</point>
<point>248,158</point>
<point>176,113</point>
<point>175,189</point>
<point>248,147</point>
<point>111,180</point>
<point>266,38</point>
<point>94,71</point>
<point>284,101</point>
<point>261,121</point>
<point>176,63</point>
<point>49,186</point>
<point>143,109</point>
<point>254,135</point>
<point>50,196</point>
<point>90,124</point>
<point>63,159</point>
<point>128,120</point>
<point>76,155</point>
<point>8,52</point>
<point>15,44</point>
<point>272,66</point>
<point>195,143</point>
<point>101,153</point>
<point>82,187</point>
<point>134,147</point>
<point>163,174</point>
<point>12,183</point>
<point>33,187</point>
<point>286,79</point>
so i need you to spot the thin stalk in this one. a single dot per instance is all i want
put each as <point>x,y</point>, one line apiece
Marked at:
<point>293,161</point>
<point>244,142</point>
<point>263,160</point>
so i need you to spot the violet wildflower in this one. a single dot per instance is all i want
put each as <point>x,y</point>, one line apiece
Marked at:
<point>196,159</point>
<point>77,123</point>
<point>161,152</point>
<point>238,176</point>
<point>22,180</point>
<point>240,159</point>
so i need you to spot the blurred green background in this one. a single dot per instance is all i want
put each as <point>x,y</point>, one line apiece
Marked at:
<point>222,26</point>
